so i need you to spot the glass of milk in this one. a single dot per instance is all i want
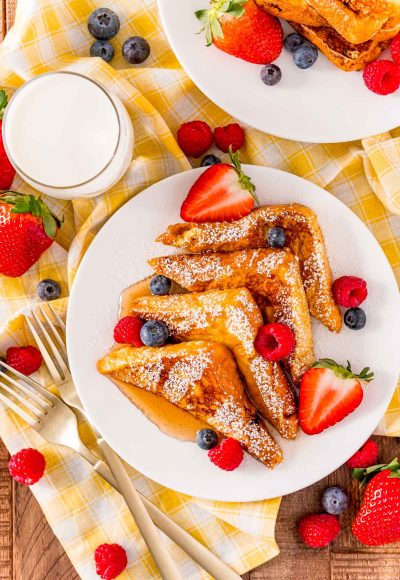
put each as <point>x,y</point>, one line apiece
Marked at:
<point>67,136</point>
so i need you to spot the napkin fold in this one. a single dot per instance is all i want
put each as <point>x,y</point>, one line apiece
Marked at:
<point>49,35</point>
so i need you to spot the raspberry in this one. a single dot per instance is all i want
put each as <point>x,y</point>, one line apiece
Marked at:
<point>111,560</point>
<point>25,359</point>
<point>364,457</point>
<point>395,49</point>
<point>318,530</point>
<point>274,341</point>
<point>382,76</point>
<point>127,331</point>
<point>229,136</point>
<point>27,466</point>
<point>194,138</point>
<point>228,455</point>
<point>349,291</point>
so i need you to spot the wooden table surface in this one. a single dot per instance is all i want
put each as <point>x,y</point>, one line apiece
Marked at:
<point>30,551</point>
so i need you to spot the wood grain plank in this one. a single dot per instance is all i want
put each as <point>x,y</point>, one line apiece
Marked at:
<point>6,520</point>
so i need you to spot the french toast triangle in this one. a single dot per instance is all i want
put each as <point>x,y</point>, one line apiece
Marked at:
<point>233,318</point>
<point>201,378</point>
<point>273,275</point>
<point>304,238</point>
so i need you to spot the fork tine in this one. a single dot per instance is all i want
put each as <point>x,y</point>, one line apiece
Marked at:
<point>57,318</point>
<point>54,372</point>
<point>54,330</point>
<point>32,383</point>
<point>35,409</point>
<point>53,348</point>
<point>20,412</point>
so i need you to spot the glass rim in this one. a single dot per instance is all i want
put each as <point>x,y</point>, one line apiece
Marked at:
<point>60,187</point>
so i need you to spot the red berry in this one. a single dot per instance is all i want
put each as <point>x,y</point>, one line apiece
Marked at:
<point>228,455</point>
<point>25,359</point>
<point>395,49</point>
<point>364,457</point>
<point>111,560</point>
<point>349,291</point>
<point>382,76</point>
<point>127,331</point>
<point>194,138</point>
<point>229,136</point>
<point>318,530</point>
<point>274,341</point>
<point>7,171</point>
<point>27,466</point>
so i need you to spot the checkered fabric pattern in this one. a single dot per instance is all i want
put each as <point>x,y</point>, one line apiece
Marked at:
<point>50,35</point>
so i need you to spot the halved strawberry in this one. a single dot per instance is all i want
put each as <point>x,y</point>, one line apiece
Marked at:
<point>328,393</point>
<point>222,193</point>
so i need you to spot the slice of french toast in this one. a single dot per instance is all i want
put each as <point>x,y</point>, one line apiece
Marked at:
<point>230,317</point>
<point>303,237</point>
<point>201,378</point>
<point>272,275</point>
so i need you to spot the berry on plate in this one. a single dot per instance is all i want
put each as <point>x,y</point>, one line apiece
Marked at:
<point>335,500</point>
<point>48,289</point>
<point>127,331</point>
<point>229,136</point>
<point>222,193</point>
<point>111,560</point>
<point>378,521</point>
<point>206,439</point>
<point>382,76</point>
<point>160,285</point>
<point>242,29</point>
<point>209,160</point>
<point>103,24</point>
<point>27,229</point>
<point>395,49</point>
<point>328,393</point>
<point>228,455</point>
<point>103,49</point>
<point>7,171</point>
<point>276,238</point>
<point>364,457</point>
<point>318,530</point>
<point>27,466</point>
<point>154,333</point>
<point>194,138</point>
<point>355,318</point>
<point>305,55</point>
<point>274,341</point>
<point>293,41</point>
<point>25,359</point>
<point>270,74</point>
<point>349,291</point>
<point>135,50</point>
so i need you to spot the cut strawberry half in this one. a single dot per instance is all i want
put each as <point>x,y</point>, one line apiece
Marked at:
<point>222,193</point>
<point>328,393</point>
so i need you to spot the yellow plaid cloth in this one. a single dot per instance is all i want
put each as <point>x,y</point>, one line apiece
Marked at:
<point>52,34</point>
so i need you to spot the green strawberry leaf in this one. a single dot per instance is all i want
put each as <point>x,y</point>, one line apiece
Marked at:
<point>24,204</point>
<point>211,17</point>
<point>343,372</point>
<point>3,103</point>
<point>364,475</point>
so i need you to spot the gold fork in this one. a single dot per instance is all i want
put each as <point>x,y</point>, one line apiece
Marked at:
<point>46,329</point>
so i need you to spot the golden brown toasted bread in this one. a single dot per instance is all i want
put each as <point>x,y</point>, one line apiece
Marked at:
<point>232,318</point>
<point>272,274</point>
<point>201,378</point>
<point>295,10</point>
<point>304,238</point>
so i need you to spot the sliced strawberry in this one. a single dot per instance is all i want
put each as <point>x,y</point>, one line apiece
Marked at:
<point>328,393</point>
<point>222,193</point>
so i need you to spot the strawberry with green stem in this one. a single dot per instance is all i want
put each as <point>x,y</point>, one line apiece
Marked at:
<point>27,229</point>
<point>7,171</point>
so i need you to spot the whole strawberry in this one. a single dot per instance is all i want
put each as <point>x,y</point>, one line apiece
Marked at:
<point>27,229</point>
<point>378,521</point>
<point>242,29</point>
<point>7,171</point>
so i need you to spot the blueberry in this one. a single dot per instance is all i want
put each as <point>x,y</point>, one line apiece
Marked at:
<point>103,24</point>
<point>48,289</point>
<point>276,238</point>
<point>103,49</point>
<point>154,333</point>
<point>206,439</point>
<point>160,285</point>
<point>270,74</point>
<point>355,318</point>
<point>335,500</point>
<point>210,160</point>
<point>293,41</point>
<point>135,50</point>
<point>305,55</point>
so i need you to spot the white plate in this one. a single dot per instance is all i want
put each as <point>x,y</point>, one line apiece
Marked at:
<point>117,258</point>
<point>322,104</point>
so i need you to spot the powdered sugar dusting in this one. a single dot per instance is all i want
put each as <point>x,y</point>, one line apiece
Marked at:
<point>183,375</point>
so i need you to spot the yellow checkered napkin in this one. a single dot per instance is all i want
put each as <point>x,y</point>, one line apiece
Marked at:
<point>51,34</point>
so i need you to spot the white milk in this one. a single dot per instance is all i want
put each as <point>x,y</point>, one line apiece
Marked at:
<point>67,136</point>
